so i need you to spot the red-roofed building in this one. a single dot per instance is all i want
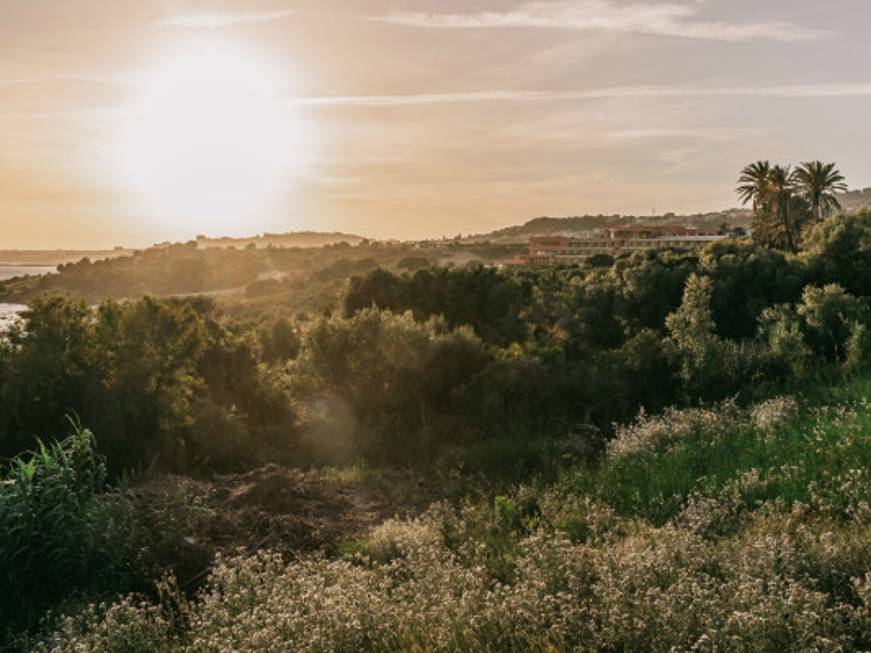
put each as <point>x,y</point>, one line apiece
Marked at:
<point>613,241</point>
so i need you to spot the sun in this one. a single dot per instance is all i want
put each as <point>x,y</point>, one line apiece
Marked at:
<point>209,140</point>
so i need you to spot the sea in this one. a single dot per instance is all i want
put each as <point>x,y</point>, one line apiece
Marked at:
<point>9,312</point>
<point>7,271</point>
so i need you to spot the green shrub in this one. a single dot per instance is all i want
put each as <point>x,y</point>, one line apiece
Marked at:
<point>395,376</point>
<point>705,359</point>
<point>58,534</point>
<point>857,357</point>
<point>829,314</point>
<point>279,341</point>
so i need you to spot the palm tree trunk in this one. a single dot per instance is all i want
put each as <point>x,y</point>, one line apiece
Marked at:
<point>787,228</point>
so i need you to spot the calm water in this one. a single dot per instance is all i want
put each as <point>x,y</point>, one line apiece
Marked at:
<point>8,313</point>
<point>9,271</point>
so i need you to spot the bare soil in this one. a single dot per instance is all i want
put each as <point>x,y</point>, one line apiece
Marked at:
<point>289,510</point>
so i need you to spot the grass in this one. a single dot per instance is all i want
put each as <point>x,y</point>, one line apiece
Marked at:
<point>796,458</point>
<point>356,474</point>
<point>58,533</point>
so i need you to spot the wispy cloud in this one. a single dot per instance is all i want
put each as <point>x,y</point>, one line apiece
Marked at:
<point>60,79</point>
<point>665,19</point>
<point>861,89</point>
<point>219,21</point>
<point>16,81</point>
<point>696,134</point>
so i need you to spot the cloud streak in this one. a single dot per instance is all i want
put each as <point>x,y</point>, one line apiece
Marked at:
<point>65,79</point>
<point>221,21</point>
<point>861,89</point>
<point>663,19</point>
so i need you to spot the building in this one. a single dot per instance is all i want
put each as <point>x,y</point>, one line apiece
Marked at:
<point>613,241</point>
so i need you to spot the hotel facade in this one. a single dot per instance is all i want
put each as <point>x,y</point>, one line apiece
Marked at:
<point>613,241</point>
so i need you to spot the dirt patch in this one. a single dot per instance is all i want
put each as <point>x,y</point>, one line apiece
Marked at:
<point>186,522</point>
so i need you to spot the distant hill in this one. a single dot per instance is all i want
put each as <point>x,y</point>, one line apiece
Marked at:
<point>546,226</point>
<point>290,239</point>
<point>306,277</point>
<point>52,257</point>
<point>303,239</point>
<point>856,200</point>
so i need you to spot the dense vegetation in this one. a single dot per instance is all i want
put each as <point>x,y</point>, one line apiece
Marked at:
<point>300,278</point>
<point>557,529</point>
<point>784,200</point>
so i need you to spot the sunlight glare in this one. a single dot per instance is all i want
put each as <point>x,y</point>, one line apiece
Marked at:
<point>209,141</point>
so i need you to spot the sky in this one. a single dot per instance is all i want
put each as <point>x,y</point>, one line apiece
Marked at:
<point>409,118</point>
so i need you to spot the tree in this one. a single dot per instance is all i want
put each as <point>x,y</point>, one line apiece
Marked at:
<point>817,183</point>
<point>49,371</point>
<point>830,314</point>
<point>783,208</point>
<point>279,341</point>
<point>858,349</point>
<point>389,377</point>
<point>838,250</point>
<point>746,279</point>
<point>780,329</point>
<point>753,184</point>
<point>703,357</point>
<point>413,263</point>
<point>778,210</point>
<point>149,353</point>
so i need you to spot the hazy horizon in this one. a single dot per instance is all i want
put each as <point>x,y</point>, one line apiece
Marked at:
<point>129,123</point>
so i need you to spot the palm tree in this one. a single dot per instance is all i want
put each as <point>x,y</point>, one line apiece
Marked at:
<point>753,183</point>
<point>781,202</point>
<point>818,182</point>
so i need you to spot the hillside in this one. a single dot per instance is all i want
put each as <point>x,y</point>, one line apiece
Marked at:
<point>187,269</point>
<point>856,200</point>
<point>52,257</point>
<point>851,202</point>
<point>546,226</point>
<point>290,239</point>
<point>301,239</point>
<point>255,270</point>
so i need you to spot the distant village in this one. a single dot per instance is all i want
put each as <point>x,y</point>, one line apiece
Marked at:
<point>615,240</point>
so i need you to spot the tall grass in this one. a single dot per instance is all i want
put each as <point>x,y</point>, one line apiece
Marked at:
<point>797,450</point>
<point>57,533</point>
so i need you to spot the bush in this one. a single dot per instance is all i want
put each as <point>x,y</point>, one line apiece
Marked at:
<point>829,314</point>
<point>780,329</point>
<point>858,350</point>
<point>279,340</point>
<point>706,360</point>
<point>485,299</point>
<point>397,377</point>
<point>264,288</point>
<point>413,263</point>
<point>838,250</point>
